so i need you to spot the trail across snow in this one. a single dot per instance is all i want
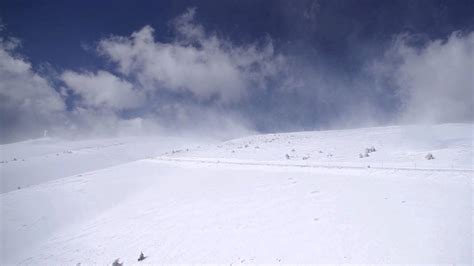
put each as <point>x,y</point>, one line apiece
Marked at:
<point>207,204</point>
<point>327,165</point>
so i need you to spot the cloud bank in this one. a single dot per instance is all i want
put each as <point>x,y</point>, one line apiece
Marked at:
<point>200,82</point>
<point>28,102</point>
<point>191,80</point>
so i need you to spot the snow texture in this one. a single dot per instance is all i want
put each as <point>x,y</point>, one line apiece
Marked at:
<point>242,201</point>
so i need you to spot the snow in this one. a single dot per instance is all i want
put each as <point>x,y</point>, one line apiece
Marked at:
<point>37,161</point>
<point>397,146</point>
<point>207,204</point>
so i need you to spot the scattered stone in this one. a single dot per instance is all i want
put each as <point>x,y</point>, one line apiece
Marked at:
<point>367,151</point>
<point>141,257</point>
<point>117,263</point>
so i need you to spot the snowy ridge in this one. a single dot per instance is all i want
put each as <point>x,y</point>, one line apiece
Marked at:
<point>401,147</point>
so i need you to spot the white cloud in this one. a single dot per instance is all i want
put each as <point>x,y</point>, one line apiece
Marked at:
<point>28,102</point>
<point>436,81</point>
<point>103,90</point>
<point>203,64</point>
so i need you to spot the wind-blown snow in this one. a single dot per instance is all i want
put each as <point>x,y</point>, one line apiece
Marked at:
<point>208,204</point>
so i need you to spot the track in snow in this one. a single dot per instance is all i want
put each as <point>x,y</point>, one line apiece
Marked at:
<point>308,165</point>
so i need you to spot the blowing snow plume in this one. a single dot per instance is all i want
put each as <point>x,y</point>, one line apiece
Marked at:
<point>434,81</point>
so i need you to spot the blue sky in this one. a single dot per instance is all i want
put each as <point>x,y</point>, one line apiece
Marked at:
<point>54,31</point>
<point>241,65</point>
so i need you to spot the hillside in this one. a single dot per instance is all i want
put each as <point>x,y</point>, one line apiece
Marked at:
<point>244,201</point>
<point>37,161</point>
<point>396,146</point>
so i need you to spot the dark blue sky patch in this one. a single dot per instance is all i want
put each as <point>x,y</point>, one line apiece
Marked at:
<point>336,31</point>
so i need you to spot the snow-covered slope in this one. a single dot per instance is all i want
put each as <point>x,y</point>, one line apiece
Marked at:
<point>33,162</point>
<point>396,146</point>
<point>253,205</point>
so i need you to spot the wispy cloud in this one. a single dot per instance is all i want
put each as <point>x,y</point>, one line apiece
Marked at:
<point>103,90</point>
